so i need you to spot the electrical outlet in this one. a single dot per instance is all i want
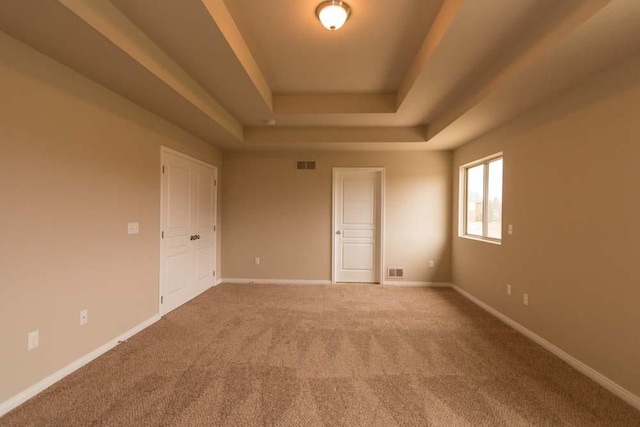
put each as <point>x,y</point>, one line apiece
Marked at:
<point>431,264</point>
<point>133,228</point>
<point>257,260</point>
<point>33,340</point>
<point>84,317</point>
<point>525,299</point>
<point>509,290</point>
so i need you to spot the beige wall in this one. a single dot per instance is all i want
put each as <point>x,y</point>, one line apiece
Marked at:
<point>571,191</point>
<point>77,163</point>
<point>283,215</point>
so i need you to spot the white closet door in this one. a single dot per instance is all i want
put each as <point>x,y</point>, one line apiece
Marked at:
<point>188,230</point>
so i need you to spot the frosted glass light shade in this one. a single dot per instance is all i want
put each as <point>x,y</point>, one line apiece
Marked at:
<point>333,14</point>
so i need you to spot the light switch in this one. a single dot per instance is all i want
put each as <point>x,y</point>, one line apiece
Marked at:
<point>133,228</point>
<point>510,229</point>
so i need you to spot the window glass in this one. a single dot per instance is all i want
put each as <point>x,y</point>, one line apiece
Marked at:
<point>494,220</point>
<point>475,199</point>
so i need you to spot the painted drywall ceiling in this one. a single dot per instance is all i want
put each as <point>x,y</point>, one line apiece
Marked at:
<point>402,74</point>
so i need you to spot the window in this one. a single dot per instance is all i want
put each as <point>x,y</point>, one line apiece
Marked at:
<point>481,208</point>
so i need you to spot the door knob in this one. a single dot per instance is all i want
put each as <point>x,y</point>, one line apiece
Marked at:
<point>338,232</point>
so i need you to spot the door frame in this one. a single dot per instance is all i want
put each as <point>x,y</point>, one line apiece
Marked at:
<point>163,151</point>
<point>380,220</point>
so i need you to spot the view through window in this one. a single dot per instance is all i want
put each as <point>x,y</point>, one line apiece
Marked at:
<point>483,199</point>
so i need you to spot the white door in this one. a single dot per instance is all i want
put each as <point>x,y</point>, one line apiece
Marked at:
<point>357,225</point>
<point>188,241</point>
<point>204,184</point>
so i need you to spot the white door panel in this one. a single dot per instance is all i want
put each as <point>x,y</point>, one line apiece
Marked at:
<point>203,263</point>
<point>357,225</point>
<point>177,274</point>
<point>204,258</point>
<point>360,208</point>
<point>188,230</point>
<point>178,182</point>
<point>357,256</point>
<point>204,198</point>
<point>358,234</point>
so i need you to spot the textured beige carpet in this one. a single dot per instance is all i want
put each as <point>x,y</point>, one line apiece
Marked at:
<point>320,355</point>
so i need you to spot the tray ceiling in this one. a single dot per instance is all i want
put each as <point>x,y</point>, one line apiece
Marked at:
<point>407,74</point>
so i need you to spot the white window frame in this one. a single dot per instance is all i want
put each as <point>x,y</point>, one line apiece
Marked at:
<point>462,204</point>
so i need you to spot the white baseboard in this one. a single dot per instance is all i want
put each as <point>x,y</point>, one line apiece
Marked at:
<point>328,282</point>
<point>217,282</point>
<point>417,284</point>
<point>27,394</point>
<point>276,282</point>
<point>605,382</point>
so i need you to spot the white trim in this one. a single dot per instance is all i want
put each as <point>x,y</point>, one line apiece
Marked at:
<point>165,149</point>
<point>275,281</point>
<point>381,222</point>
<point>480,239</point>
<point>218,282</point>
<point>160,228</point>
<point>383,204</point>
<point>486,159</point>
<point>402,283</point>
<point>596,376</point>
<point>216,228</point>
<point>239,281</point>
<point>47,382</point>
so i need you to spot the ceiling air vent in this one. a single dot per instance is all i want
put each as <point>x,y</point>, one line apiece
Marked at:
<point>301,165</point>
<point>311,164</point>
<point>395,273</point>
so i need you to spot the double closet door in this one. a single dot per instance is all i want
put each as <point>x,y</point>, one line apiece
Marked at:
<point>188,229</point>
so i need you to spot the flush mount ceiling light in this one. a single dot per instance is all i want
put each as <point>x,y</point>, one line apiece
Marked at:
<point>333,14</point>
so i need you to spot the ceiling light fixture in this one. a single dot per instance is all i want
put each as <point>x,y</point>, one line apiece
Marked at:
<point>333,14</point>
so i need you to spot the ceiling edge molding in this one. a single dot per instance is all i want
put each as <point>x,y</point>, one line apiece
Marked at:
<point>375,103</point>
<point>550,36</point>
<point>106,19</point>
<point>356,134</point>
<point>445,17</point>
<point>222,17</point>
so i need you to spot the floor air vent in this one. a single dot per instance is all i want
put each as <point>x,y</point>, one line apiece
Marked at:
<point>396,273</point>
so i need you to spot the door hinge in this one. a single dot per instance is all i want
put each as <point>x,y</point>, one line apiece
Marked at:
<point>215,182</point>
<point>214,273</point>
<point>214,228</point>
<point>163,234</point>
<point>162,168</point>
<point>161,300</point>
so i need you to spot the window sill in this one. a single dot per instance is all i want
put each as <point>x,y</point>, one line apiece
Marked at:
<point>481,239</point>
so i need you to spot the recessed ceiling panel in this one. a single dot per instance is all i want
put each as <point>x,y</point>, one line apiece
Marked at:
<point>371,53</point>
